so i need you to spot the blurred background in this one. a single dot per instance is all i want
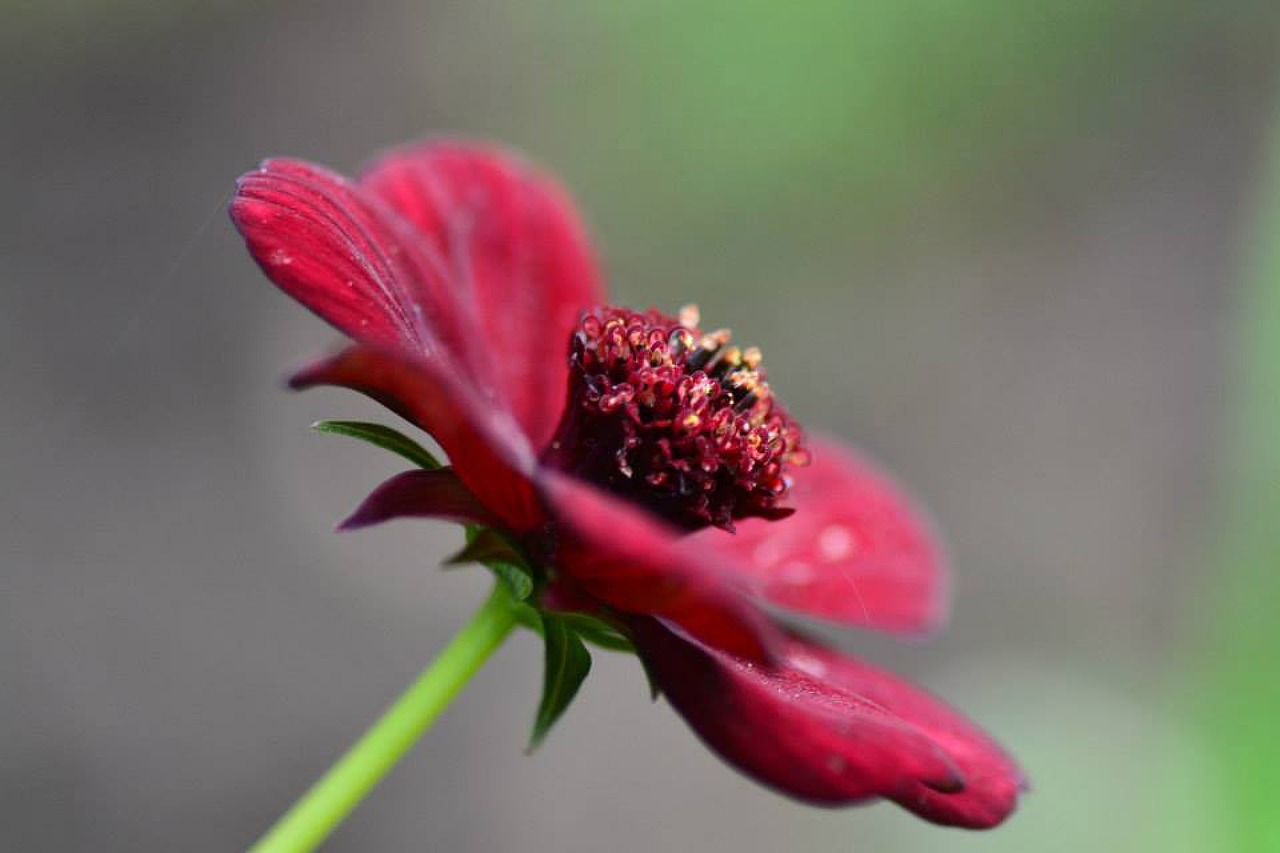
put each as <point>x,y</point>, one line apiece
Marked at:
<point>1009,248</point>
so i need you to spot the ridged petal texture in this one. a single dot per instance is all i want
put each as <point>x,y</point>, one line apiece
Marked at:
<point>511,237</point>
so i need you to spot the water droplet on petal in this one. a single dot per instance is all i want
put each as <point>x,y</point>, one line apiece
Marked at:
<point>835,543</point>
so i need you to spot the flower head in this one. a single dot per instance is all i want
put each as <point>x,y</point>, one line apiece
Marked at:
<point>680,422</point>
<point>639,471</point>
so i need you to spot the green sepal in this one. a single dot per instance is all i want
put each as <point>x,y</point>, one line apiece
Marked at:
<point>566,664</point>
<point>486,545</point>
<point>597,632</point>
<point>514,577</point>
<point>528,616</point>
<point>589,628</point>
<point>495,552</point>
<point>384,437</point>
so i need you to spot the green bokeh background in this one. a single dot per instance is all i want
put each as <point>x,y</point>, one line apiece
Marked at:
<point>1019,250</point>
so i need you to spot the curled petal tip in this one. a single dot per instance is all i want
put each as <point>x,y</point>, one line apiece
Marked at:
<point>830,730</point>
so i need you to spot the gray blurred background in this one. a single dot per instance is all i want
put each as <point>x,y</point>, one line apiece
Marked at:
<point>992,243</point>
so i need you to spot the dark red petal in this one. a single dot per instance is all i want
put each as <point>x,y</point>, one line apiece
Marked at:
<point>857,550</point>
<point>421,494</point>
<point>830,730</point>
<point>342,253</point>
<point>616,553</point>
<point>485,445</point>
<point>992,780</point>
<point>512,236</point>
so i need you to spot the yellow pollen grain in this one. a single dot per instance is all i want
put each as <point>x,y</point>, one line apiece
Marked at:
<point>690,316</point>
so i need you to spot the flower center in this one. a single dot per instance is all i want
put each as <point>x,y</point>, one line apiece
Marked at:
<point>679,421</point>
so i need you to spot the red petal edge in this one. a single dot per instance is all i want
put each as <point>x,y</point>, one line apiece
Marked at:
<point>486,447</point>
<point>857,550</point>
<point>830,730</point>
<point>617,554</point>
<point>342,253</point>
<point>421,494</point>
<point>510,236</point>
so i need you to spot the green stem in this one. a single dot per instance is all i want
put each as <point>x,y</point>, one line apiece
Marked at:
<point>341,789</point>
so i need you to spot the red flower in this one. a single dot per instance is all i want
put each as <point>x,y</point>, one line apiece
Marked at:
<point>644,468</point>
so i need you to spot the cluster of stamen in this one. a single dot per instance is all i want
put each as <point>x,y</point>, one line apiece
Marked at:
<point>680,421</point>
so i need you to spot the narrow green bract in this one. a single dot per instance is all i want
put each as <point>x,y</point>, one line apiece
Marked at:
<point>384,437</point>
<point>567,663</point>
